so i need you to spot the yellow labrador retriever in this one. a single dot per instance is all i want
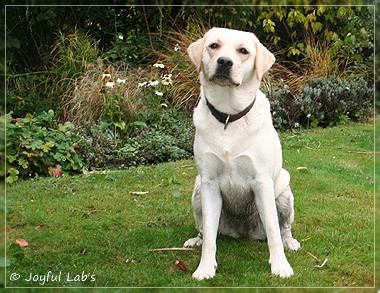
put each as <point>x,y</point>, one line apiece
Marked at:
<point>241,189</point>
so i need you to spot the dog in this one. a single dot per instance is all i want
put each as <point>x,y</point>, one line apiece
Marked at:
<point>241,189</point>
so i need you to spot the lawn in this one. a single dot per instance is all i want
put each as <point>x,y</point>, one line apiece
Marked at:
<point>97,229</point>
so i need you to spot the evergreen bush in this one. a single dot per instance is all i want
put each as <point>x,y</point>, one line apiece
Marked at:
<point>322,102</point>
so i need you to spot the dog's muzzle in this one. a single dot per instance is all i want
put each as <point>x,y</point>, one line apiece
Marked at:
<point>222,73</point>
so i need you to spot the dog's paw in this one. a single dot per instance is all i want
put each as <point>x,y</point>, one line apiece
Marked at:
<point>282,269</point>
<point>203,274</point>
<point>192,242</point>
<point>291,243</point>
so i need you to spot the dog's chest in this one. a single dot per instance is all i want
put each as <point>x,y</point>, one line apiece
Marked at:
<point>236,176</point>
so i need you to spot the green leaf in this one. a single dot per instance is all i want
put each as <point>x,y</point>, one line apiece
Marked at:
<point>316,26</point>
<point>139,124</point>
<point>35,144</point>
<point>28,118</point>
<point>59,157</point>
<point>11,158</point>
<point>269,26</point>
<point>66,127</point>
<point>47,146</point>
<point>13,175</point>
<point>120,125</point>
<point>293,51</point>
<point>276,39</point>
<point>23,163</point>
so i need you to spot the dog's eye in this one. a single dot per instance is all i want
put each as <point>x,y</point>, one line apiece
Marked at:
<point>214,46</point>
<point>243,51</point>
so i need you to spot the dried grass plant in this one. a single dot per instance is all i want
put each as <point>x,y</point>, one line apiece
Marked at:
<point>185,91</point>
<point>83,103</point>
<point>321,58</point>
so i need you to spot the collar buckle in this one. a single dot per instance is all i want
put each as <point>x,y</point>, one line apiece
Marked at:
<point>226,123</point>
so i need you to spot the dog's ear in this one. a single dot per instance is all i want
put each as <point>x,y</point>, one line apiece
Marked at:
<point>264,60</point>
<point>195,52</point>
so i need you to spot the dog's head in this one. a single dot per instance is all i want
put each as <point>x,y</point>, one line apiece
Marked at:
<point>230,57</point>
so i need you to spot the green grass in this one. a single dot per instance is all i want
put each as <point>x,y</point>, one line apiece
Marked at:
<point>98,225</point>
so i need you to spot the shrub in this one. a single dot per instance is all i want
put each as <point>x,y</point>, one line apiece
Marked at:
<point>322,102</point>
<point>154,146</point>
<point>285,111</point>
<point>36,145</point>
<point>168,141</point>
<point>127,48</point>
<point>331,101</point>
<point>29,93</point>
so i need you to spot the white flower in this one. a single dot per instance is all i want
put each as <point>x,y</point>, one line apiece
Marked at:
<point>308,115</point>
<point>119,80</point>
<point>110,83</point>
<point>121,37</point>
<point>106,76</point>
<point>177,48</point>
<point>154,83</point>
<point>159,93</point>
<point>296,125</point>
<point>167,79</point>
<point>159,65</point>
<point>142,84</point>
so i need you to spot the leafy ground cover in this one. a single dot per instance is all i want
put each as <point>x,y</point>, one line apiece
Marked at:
<point>97,229</point>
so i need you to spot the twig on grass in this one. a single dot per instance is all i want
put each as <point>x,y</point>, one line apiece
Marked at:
<point>187,166</point>
<point>319,145</point>
<point>318,261</point>
<point>365,153</point>
<point>172,249</point>
<point>324,262</point>
<point>313,256</point>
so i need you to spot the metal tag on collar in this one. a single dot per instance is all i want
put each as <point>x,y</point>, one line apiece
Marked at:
<point>226,123</point>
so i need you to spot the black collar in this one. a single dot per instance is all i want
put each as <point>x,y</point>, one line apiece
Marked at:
<point>227,118</point>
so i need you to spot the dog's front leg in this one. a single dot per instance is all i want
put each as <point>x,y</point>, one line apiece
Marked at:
<point>263,189</point>
<point>211,208</point>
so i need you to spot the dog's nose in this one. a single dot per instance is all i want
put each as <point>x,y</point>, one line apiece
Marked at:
<point>225,62</point>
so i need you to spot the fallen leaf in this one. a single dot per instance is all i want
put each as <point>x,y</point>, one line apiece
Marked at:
<point>22,242</point>
<point>90,213</point>
<point>39,227</point>
<point>301,168</point>
<point>55,171</point>
<point>176,192</point>
<point>181,265</point>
